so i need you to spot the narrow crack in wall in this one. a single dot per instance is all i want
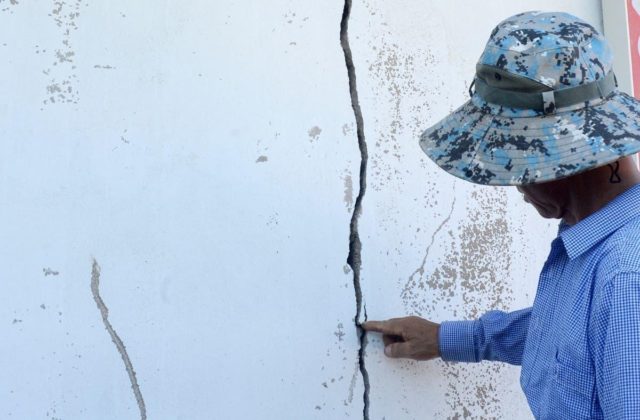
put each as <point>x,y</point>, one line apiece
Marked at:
<point>104,312</point>
<point>411,283</point>
<point>354,258</point>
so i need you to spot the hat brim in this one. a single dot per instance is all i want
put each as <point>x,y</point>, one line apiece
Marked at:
<point>491,145</point>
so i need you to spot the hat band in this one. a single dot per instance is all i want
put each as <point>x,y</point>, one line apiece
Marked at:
<point>548,101</point>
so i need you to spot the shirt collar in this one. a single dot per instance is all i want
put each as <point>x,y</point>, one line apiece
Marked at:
<point>582,236</point>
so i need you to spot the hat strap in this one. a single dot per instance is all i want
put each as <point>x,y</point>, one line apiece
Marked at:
<point>550,100</point>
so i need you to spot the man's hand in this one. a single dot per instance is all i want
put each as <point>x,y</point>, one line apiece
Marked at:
<point>411,337</point>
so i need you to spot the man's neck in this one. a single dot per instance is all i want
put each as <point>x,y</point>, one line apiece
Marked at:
<point>590,191</point>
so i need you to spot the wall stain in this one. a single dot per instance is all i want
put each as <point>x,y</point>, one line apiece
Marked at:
<point>104,313</point>
<point>262,158</point>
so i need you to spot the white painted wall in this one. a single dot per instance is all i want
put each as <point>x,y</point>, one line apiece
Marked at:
<point>204,154</point>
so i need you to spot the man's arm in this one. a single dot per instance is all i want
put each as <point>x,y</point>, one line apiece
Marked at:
<point>616,346</point>
<point>496,336</point>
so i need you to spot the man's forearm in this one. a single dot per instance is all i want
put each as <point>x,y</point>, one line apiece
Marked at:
<point>497,335</point>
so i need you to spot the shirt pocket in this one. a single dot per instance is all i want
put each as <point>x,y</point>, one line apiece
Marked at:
<point>574,391</point>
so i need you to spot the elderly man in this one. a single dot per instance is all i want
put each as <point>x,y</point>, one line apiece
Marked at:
<point>546,117</point>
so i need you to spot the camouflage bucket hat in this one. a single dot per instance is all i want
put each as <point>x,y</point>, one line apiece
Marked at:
<point>545,106</point>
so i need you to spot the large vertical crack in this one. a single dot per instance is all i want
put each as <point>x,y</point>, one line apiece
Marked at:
<point>354,259</point>
<point>104,312</point>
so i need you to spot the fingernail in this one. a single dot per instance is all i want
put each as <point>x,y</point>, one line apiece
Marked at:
<point>387,351</point>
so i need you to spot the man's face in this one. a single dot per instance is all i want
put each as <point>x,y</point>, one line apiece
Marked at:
<point>548,198</point>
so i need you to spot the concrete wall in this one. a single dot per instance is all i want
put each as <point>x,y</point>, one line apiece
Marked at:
<point>177,186</point>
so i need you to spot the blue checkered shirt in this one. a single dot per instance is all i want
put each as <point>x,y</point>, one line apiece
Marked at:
<point>579,345</point>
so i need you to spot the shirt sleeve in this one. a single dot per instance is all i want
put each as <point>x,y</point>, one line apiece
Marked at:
<point>616,339</point>
<point>497,335</point>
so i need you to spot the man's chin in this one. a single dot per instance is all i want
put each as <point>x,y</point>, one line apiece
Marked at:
<point>551,214</point>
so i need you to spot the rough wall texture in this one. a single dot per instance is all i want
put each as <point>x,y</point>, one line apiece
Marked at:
<point>178,186</point>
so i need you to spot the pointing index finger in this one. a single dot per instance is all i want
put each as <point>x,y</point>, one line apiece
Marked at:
<point>384,327</point>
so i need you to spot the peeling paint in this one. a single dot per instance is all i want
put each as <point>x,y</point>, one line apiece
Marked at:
<point>104,313</point>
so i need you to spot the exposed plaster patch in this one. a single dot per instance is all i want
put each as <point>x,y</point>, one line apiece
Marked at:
<point>104,312</point>
<point>403,89</point>
<point>123,138</point>
<point>354,258</point>
<point>274,220</point>
<point>51,413</point>
<point>352,385</point>
<point>338,350</point>
<point>291,18</point>
<point>7,5</point>
<point>62,87</point>
<point>50,272</point>
<point>348,192</point>
<point>411,282</point>
<point>314,133</point>
<point>263,149</point>
<point>339,333</point>
<point>475,268</point>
